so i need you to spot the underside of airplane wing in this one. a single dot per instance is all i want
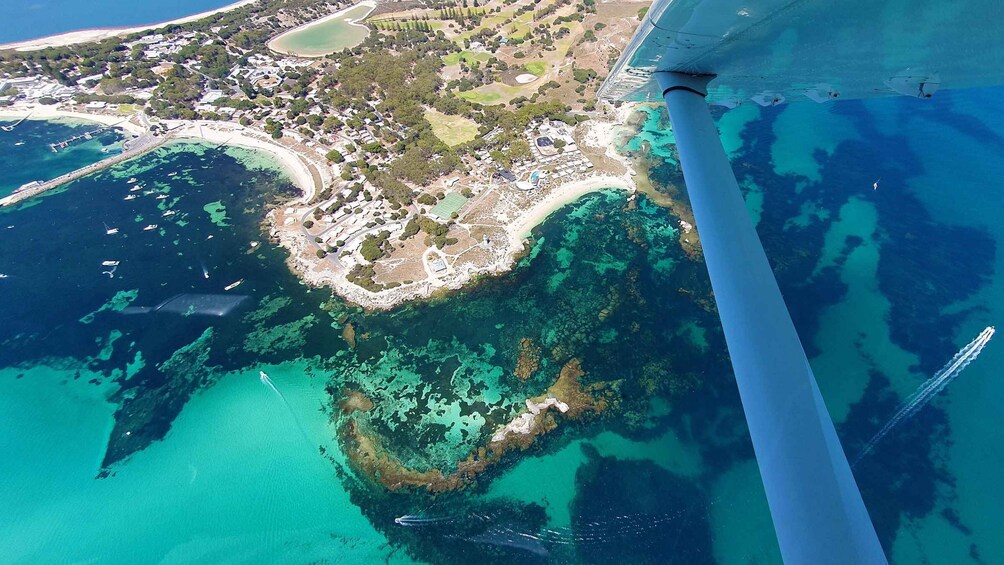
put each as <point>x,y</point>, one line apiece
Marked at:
<point>691,53</point>
<point>773,51</point>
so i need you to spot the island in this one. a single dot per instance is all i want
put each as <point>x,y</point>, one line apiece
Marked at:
<point>426,147</point>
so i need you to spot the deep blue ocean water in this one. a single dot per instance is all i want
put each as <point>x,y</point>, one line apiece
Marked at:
<point>30,19</point>
<point>108,418</point>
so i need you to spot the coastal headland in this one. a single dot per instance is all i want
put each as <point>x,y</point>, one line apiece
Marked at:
<point>425,156</point>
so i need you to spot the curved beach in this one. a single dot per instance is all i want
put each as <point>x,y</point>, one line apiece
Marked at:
<point>98,34</point>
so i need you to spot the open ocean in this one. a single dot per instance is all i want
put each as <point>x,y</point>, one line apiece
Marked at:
<point>31,19</point>
<point>150,437</point>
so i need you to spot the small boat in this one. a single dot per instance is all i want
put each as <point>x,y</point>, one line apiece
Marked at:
<point>233,285</point>
<point>131,197</point>
<point>110,263</point>
<point>162,197</point>
<point>171,174</point>
<point>135,188</point>
<point>263,376</point>
<point>19,143</point>
<point>111,231</point>
<point>210,237</point>
<point>132,180</point>
<point>148,192</point>
<point>169,213</point>
<point>150,227</point>
<point>4,275</point>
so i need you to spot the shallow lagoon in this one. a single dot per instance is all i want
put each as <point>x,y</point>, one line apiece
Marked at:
<point>326,36</point>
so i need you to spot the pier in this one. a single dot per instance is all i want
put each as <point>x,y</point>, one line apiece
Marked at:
<point>132,148</point>
<point>86,135</point>
<point>15,124</point>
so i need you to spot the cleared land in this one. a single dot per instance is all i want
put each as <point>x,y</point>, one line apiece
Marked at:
<point>467,57</point>
<point>451,130</point>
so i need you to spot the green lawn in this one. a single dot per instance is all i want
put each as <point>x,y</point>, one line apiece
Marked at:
<point>480,97</point>
<point>536,67</point>
<point>451,130</point>
<point>451,203</point>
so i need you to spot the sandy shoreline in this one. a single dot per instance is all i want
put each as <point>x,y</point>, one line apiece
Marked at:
<point>52,113</point>
<point>559,197</point>
<point>88,35</point>
<point>273,43</point>
<point>232,134</point>
<point>302,170</point>
<point>212,132</point>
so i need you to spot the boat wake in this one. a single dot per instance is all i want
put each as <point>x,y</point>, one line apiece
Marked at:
<point>505,530</point>
<point>930,388</point>
<point>267,381</point>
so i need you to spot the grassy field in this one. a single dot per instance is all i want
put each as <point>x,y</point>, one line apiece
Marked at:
<point>127,108</point>
<point>481,97</point>
<point>536,67</point>
<point>451,130</point>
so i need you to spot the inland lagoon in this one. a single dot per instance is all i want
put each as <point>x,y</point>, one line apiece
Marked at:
<point>327,35</point>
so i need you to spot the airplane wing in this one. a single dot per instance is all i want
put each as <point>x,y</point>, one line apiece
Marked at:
<point>772,51</point>
<point>691,53</point>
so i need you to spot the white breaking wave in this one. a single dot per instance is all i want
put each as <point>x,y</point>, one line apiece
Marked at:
<point>931,387</point>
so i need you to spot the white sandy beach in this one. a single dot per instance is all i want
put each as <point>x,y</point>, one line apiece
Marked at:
<point>560,196</point>
<point>87,35</point>
<point>274,43</point>
<point>233,134</point>
<point>42,112</point>
<point>213,132</point>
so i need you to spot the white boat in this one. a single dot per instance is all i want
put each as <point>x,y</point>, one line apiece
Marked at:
<point>162,197</point>
<point>4,275</point>
<point>19,143</point>
<point>233,285</point>
<point>169,213</point>
<point>264,378</point>
<point>150,227</point>
<point>110,263</point>
<point>131,197</point>
<point>171,174</point>
<point>132,180</point>
<point>111,231</point>
<point>135,188</point>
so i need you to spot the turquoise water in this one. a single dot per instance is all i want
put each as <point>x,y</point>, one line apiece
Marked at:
<point>29,19</point>
<point>29,143</point>
<point>109,418</point>
<point>885,285</point>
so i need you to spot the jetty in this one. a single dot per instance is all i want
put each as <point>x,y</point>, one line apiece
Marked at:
<point>15,124</point>
<point>86,135</point>
<point>130,149</point>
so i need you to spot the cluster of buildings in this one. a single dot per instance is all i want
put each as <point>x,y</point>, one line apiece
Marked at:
<point>158,46</point>
<point>34,88</point>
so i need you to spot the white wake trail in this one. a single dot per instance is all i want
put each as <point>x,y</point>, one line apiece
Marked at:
<point>931,388</point>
